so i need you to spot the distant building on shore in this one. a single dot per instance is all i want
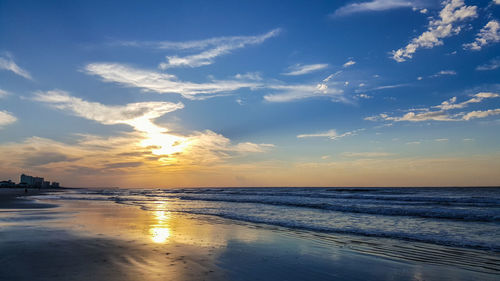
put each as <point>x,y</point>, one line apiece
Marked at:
<point>8,183</point>
<point>38,182</point>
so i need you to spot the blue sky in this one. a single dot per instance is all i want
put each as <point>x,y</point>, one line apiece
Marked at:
<point>256,93</point>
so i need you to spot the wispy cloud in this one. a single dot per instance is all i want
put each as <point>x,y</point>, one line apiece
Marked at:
<point>349,63</point>
<point>443,114</point>
<point>256,76</point>
<point>490,33</point>
<point>7,63</point>
<point>453,13</point>
<point>153,145</point>
<point>373,6</point>
<point>300,69</point>
<point>331,134</point>
<point>491,65</point>
<point>3,93</point>
<point>6,118</point>
<point>367,154</point>
<point>481,114</point>
<point>161,82</point>
<point>288,93</point>
<point>443,73</point>
<point>214,48</point>
<point>138,115</point>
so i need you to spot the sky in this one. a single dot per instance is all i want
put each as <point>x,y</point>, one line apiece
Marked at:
<point>251,93</point>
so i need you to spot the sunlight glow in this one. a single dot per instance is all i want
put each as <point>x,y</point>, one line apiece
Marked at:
<point>160,231</point>
<point>157,137</point>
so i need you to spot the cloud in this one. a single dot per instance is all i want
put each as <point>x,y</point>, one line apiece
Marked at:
<point>441,140</point>
<point>6,118</point>
<point>451,103</point>
<point>137,115</point>
<point>331,134</point>
<point>215,47</point>
<point>490,33</point>
<point>256,76</point>
<point>426,114</point>
<point>161,82</point>
<point>444,72</point>
<point>349,63</point>
<point>3,93</point>
<point>496,2</point>
<point>453,12</point>
<point>481,114</point>
<point>367,154</point>
<point>290,93</point>
<point>373,6</point>
<point>364,96</point>
<point>491,65</point>
<point>7,63</point>
<point>149,142</point>
<point>299,69</point>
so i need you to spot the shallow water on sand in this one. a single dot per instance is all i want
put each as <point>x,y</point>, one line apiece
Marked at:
<point>91,236</point>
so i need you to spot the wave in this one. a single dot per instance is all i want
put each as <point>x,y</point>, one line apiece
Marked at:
<point>435,213</point>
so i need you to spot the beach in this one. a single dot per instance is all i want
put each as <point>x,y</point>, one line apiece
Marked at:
<point>67,236</point>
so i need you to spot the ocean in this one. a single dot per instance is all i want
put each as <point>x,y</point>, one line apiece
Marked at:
<point>457,226</point>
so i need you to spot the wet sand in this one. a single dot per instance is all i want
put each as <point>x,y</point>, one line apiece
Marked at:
<point>79,240</point>
<point>12,198</point>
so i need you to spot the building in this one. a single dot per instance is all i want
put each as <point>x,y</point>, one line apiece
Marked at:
<point>8,183</point>
<point>38,182</point>
<point>46,184</point>
<point>27,180</point>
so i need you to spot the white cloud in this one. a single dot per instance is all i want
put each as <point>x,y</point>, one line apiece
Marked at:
<point>161,82</point>
<point>496,2</point>
<point>331,76</point>
<point>373,6</point>
<point>196,148</point>
<point>481,114</point>
<point>3,93</point>
<point>490,33</point>
<point>364,96</point>
<point>491,65</point>
<point>7,63</point>
<point>441,140</point>
<point>300,69</point>
<point>138,115</point>
<point>331,134</point>
<point>167,83</point>
<point>297,92</point>
<point>424,11</point>
<point>451,103</point>
<point>454,12</point>
<point>367,154</point>
<point>413,143</point>
<point>444,72</point>
<point>256,76</point>
<point>349,63</point>
<point>213,48</point>
<point>6,118</point>
<point>426,114</point>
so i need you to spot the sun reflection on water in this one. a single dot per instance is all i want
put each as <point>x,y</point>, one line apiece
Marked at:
<point>160,230</point>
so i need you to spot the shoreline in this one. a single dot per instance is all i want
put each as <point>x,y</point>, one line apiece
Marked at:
<point>103,240</point>
<point>17,198</point>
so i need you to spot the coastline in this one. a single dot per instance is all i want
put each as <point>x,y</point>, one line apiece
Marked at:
<point>17,198</point>
<point>103,240</point>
